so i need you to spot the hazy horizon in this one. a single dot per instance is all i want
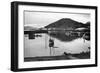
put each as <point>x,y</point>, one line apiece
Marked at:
<point>41,19</point>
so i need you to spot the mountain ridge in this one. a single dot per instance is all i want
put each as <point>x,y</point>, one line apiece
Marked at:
<point>66,23</point>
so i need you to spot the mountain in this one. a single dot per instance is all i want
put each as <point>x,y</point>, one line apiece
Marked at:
<point>66,23</point>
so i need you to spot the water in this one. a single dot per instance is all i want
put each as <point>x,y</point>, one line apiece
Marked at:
<point>40,46</point>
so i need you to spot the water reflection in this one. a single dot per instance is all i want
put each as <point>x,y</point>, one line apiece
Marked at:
<point>63,37</point>
<point>63,44</point>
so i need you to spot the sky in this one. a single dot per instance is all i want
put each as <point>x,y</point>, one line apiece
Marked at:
<point>40,19</point>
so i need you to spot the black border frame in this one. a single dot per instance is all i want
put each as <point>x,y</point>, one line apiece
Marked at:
<point>14,35</point>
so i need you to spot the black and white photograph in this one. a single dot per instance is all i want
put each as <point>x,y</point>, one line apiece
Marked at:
<point>53,36</point>
<point>56,36</point>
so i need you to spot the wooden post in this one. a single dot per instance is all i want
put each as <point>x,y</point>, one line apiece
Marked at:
<point>50,51</point>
